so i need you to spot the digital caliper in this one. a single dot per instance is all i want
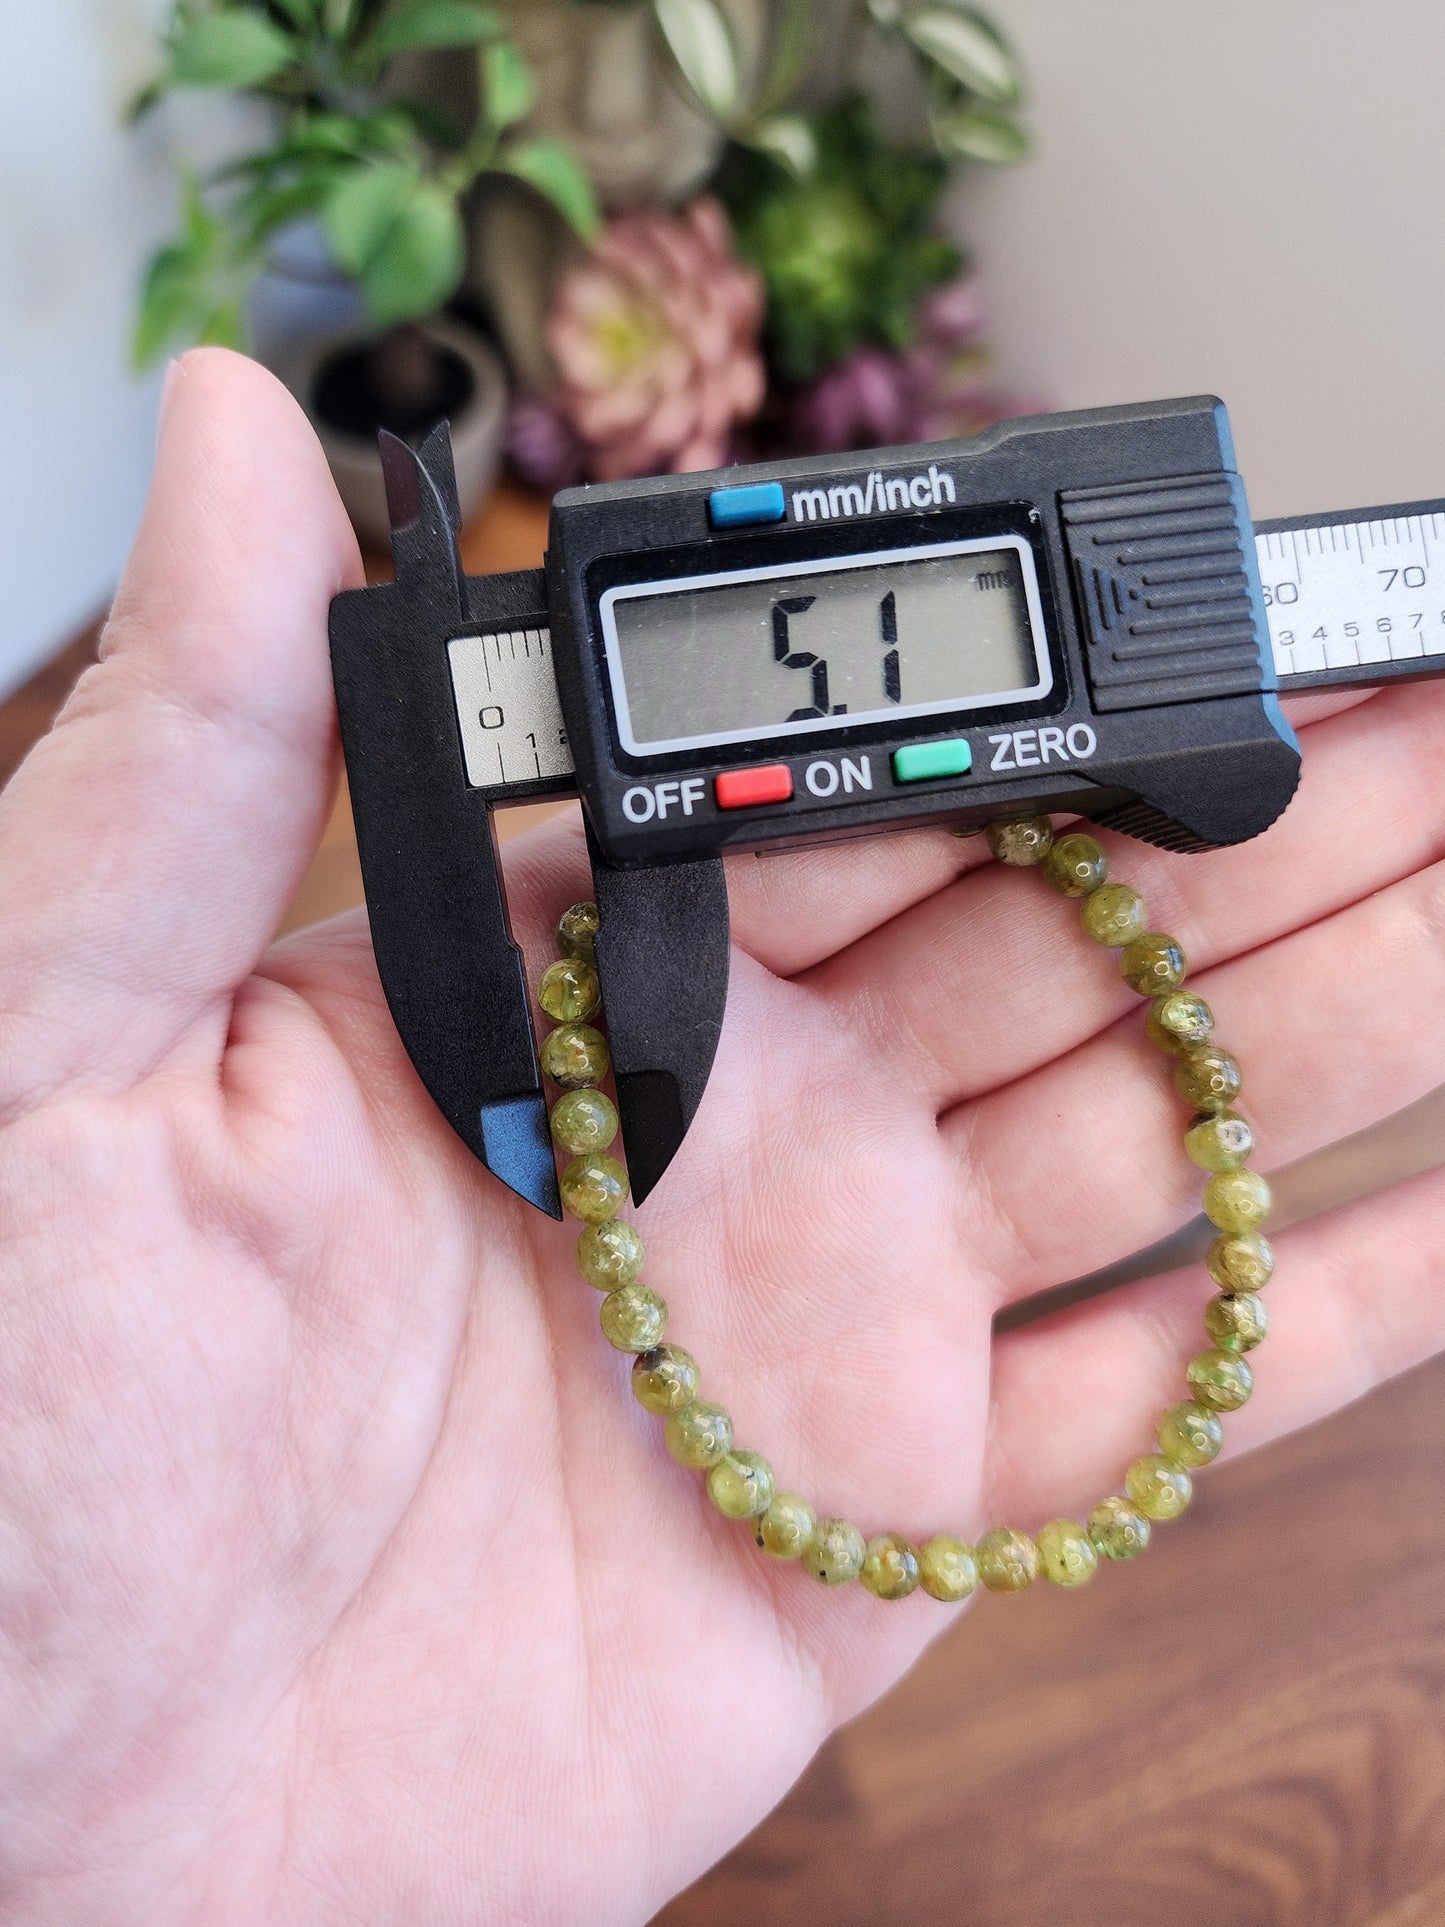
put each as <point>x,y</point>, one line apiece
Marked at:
<point>1070,613</point>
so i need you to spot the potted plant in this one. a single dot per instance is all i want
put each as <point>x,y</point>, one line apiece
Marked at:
<point>366,156</point>
<point>810,299</point>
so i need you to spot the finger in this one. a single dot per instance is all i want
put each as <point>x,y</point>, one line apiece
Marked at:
<point>1082,1163</point>
<point>991,978</point>
<point>155,837</point>
<point>789,909</point>
<point>1355,1300</point>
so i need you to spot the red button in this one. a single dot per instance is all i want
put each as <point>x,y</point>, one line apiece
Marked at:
<point>744,789</point>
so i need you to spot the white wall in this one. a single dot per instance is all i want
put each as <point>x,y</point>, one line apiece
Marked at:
<point>1243,197</point>
<point>81,203</point>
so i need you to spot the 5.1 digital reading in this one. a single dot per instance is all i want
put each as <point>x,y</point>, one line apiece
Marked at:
<point>773,652</point>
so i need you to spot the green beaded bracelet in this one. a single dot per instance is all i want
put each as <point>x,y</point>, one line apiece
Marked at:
<point>699,1433</point>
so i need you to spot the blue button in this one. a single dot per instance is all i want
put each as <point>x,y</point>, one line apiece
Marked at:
<point>740,508</point>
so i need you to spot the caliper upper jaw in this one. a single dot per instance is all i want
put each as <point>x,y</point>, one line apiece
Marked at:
<point>453,977</point>
<point>662,957</point>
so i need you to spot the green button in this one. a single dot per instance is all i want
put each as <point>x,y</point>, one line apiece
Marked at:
<point>927,762</point>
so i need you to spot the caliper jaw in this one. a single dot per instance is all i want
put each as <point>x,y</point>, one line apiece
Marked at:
<point>454,978</point>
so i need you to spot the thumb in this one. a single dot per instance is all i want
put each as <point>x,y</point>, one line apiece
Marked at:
<point>150,844</point>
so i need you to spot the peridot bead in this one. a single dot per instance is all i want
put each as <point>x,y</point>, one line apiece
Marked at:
<point>1023,843</point>
<point>1219,1143</point>
<point>786,1527</point>
<point>835,1553</point>
<point>1008,1561</point>
<point>1190,1434</point>
<point>633,1318</point>
<point>569,991</point>
<point>577,931</point>
<point>1118,1528</point>
<point>1237,1322</point>
<point>1220,1379</point>
<point>1153,963</point>
<point>1241,1262</point>
<point>1113,915</point>
<point>584,1121</point>
<point>1075,866</point>
<point>699,1435</point>
<point>610,1254</point>
<point>664,1379</point>
<point>1208,1078</point>
<point>741,1485</point>
<point>890,1567</point>
<point>1237,1200</point>
<point>947,1569</point>
<point>593,1188</point>
<point>1179,1021</point>
<point>576,1055</point>
<point>1160,1488</point>
<point>1067,1556</point>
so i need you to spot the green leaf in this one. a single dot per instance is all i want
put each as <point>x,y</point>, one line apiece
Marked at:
<point>435,23</point>
<point>231,49</point>
<point>553,171</point>
<point>419,262</point>
<point>301,13</point>
<point>363,208</point>
<point>975,134</point>
<point>701,42</point>
<point>507,85</point>
<point>966,47</point>
<point>789,140</point>
<point>225,325</point>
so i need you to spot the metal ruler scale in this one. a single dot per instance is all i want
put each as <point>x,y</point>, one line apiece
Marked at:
<point>1355,597</point>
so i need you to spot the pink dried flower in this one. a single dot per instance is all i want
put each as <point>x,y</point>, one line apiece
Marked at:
<point>654,338</point>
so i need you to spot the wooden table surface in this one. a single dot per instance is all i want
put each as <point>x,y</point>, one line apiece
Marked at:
<point>1246,1729</point>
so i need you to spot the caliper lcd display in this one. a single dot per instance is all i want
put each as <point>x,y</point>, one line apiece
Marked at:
<point>776,652</point>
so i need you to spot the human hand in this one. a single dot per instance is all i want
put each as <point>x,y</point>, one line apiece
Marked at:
<point>341,1579</point>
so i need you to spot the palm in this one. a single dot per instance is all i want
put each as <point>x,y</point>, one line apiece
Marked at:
<point>351,1583</point>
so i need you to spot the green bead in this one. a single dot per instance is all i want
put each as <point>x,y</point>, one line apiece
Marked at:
<point>1160,1488</point>
<point>1237,1322</point>
<point>947,1569</point>
<point>577,931</point>
<point>835,1553</point>
<point>1113,915</point>
<point>1220,1379</point>
<point>699,1435</point>
<point>1023,843</point>
<point>1237,1200</point>
<point>890,1567</point>
<point>569,991</point>
<point>786,1527</point>
<point>1118,1528</point>
<point>584,1121</point>
<point>741,1485</point>
<point>576,1055</point>
<point>1219,1143</point>
<point>1008,1561</point>
<point>1067,1556</point>
<point>1179,1021</point>
<point>1153,963</point>
<point>1208,1079</point>
<point>1075,865</point>
<point>1240,1262</point>
<point>1190,1434</point>
<point>665,1379</point>
<point>633,1318</point>
<point>593,1188</point>
<point>610,1254</point>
